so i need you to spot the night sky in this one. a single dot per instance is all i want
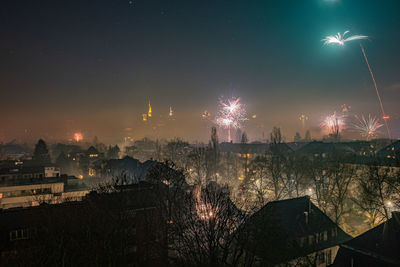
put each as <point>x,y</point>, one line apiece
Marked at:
<point>92,66</point>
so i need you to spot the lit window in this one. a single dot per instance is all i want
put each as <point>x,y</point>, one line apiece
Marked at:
<point>92,172</point>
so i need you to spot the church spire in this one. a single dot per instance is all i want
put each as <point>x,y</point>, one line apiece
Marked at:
<point>149,113</point>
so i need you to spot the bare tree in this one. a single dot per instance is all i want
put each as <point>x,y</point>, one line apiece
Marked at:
<point>206,230</point>
<point>244,151</point>
<point>378,192</point>
<point>176,151</point>
<point>260,179</point>
<point>331,181</point>
<point>199,165</point>
<point>215,153</point>
<point>296,169</point>
<point>276,161</point>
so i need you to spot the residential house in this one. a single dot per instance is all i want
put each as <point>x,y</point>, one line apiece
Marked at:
<point>118,228</point>
<point>292,232</point>
<point>379,246</point>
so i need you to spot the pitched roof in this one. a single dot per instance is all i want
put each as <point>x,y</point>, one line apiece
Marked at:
<point>129,166</point>
<point>323,147</point>
<point>296,145</point>
<point>291,220</point>
<point>380,244</point>
<point>92,150</point>
<point>389,149</point>
<point>238,148</point>
<point>290,216</point>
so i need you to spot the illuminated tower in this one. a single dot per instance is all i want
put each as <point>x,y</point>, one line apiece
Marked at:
<point>303,118</point>
<point>149,113</point>
<point>171,113</point>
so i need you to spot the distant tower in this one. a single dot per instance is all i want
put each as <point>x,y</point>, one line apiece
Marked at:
<point>303,118</point>
<point>149,113</point>
<point>171,113</point>
<point>345,110</point>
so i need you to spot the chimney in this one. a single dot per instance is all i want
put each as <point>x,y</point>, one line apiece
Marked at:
<point>306,217</point>
<point>307,211</point>
<point>309,204</point>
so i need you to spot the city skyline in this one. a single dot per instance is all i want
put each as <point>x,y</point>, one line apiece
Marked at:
<point>200,133</point>
<point>94,68</point>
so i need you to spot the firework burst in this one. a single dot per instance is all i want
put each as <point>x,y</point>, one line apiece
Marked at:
<point>205,115</point>
<point>231,114</point>
<point>340,39</point>
<point>78,137</point>
<point>367,126</point>
<point>333,124</point>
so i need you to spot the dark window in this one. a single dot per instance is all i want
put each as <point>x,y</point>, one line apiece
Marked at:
<point>334,232</point>
<point>310,239</point>
<point>329,257</point>
<point>321,237</point>
<point>321,258</point>
<point>20,234</point>
<point>13,235</point>
<point>301,241</point>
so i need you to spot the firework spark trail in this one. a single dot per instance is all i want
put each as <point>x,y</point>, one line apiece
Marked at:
<point>340,40</point>
<point>231,115</point>
<point>384,117</point>
<point>204,209</point>
<point>367,127</point>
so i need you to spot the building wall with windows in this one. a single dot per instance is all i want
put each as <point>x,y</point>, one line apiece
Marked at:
<point>26,193</point>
